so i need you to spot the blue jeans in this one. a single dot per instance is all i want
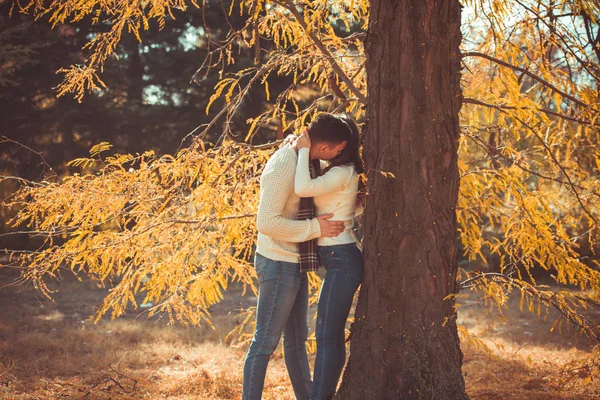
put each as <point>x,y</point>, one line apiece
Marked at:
<point>282,307</point>
<point>344,267</point>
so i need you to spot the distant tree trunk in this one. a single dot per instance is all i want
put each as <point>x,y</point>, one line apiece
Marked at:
<point>135,71</point>
<point>404,342</point>
<point>68,146</point>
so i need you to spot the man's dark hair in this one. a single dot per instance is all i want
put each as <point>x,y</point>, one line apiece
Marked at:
<point>334,129</point>
<point>328,128</point>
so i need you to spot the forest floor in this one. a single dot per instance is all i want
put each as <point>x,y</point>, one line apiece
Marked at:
<point>48,351</point>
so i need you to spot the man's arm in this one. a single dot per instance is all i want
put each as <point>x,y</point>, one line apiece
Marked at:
<point>274,195</point>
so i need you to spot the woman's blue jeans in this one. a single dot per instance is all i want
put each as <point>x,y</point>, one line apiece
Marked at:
<point>344,267</point>
<point>282,307</point>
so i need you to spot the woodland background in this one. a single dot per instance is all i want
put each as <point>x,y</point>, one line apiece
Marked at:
<point>152,103</point>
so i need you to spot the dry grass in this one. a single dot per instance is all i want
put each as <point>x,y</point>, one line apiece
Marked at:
<point>45,353</point>
<point>526,357</point>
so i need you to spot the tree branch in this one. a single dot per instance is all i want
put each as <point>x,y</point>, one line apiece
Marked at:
<point>528,73</point>
<point>558,164</point>
<point>486,146</point>
<point>468,100</point>
<point>4,139</point>
<point>564,308</point>
<point>568,47</point>
<point>553,157</point>
<point>17,178</point>
<point>287,4</point>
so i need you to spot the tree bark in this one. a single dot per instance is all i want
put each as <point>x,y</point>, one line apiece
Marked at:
<point>404,341</point>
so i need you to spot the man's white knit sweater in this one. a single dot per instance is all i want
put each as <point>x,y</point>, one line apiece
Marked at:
<point>278,230</point>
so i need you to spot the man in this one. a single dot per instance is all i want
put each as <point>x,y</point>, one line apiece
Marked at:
<point>283,289</point>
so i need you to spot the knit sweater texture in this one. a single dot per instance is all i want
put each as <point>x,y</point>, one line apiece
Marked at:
<point>278,230</point>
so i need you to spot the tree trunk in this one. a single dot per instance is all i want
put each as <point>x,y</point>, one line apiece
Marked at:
<point>135,71</point>
<point>404,342</point>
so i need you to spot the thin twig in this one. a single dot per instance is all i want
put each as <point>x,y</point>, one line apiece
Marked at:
<point>4,139</point>
<point>528,73</point>
<point>467,100</point>
<point>17,178</point>
<point>559,165</point>
<point>486,146</point>
<point>565,309</point>
<point>293,8</point>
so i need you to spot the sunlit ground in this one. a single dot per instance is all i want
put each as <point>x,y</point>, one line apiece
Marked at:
<point>45,353</point>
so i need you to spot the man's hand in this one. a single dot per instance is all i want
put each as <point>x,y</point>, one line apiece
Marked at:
<point>330,228</point>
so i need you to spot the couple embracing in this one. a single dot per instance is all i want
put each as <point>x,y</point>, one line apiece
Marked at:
<point>305,219</point>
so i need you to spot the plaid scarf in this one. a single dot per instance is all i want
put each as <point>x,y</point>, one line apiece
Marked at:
<point>309,254</point>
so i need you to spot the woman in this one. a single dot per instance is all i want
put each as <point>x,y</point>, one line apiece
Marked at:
<point>334,192</point>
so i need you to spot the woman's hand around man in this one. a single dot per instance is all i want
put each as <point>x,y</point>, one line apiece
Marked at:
<point>297,142</point>
<point>289,140</point>
<point>303,140</point>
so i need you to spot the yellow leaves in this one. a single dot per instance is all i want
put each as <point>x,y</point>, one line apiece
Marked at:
<point>219,88</point>
<point>178,229</point>
<point>267,93</point>
<point>509,212</point>
<point>99,148</point>
<point>284,30</point>
<point>146,25</point>
<point>387,174</point>
<point>117,16</point>
<point>253,124</point>
<point>79,80</point>
<point>274,21</point>
<point>243,332</point>
<point>81,162</point>
<point>467,338</point>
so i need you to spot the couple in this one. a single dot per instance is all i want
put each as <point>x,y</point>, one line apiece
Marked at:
<point>305,215</point>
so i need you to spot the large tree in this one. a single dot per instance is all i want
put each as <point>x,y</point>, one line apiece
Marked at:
<point>526,154</point>
<point>405,341</point>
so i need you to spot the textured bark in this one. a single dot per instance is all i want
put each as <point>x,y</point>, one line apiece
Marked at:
<point>404,342</point>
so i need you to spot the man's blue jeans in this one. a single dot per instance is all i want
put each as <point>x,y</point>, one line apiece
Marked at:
<point>344,267</point>
<point>282,307</point>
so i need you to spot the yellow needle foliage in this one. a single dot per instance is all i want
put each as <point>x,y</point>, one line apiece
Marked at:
<point>529,154</point>
<point>179,228</point>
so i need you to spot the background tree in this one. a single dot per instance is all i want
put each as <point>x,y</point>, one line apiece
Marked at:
<point>150,104</point>
<point>528,164</point>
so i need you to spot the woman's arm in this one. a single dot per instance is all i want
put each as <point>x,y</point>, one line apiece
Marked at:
<point>332,181</point>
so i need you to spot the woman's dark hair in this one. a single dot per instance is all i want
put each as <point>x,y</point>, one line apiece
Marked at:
<point>351,153</point>
<point>334,129</point>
